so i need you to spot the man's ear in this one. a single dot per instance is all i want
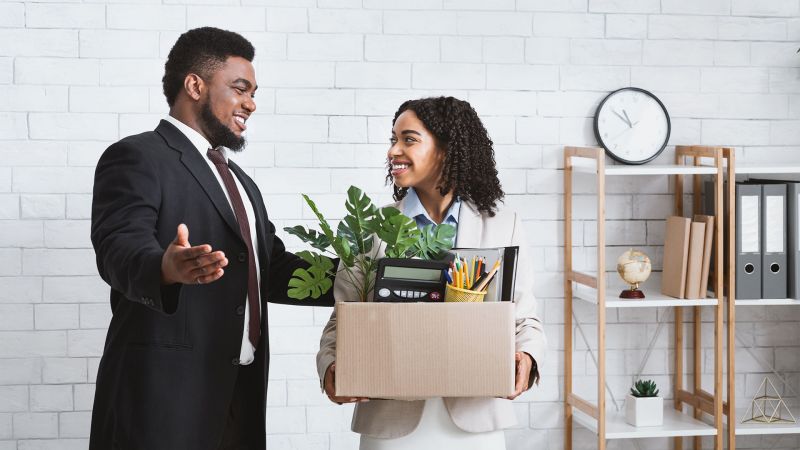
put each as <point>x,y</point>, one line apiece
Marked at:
<point>194,86</point>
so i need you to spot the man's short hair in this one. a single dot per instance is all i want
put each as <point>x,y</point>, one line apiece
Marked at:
<point>201,51</point>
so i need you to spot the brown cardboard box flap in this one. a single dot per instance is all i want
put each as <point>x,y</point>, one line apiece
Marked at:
<point>423,350</point>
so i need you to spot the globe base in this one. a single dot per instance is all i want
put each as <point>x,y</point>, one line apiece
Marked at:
<point>632,294</point>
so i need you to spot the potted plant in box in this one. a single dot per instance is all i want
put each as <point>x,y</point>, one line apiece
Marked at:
<point>358,238</point>
<point>643,406</point>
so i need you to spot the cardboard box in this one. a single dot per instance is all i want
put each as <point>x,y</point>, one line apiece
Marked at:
<point>421,350</point>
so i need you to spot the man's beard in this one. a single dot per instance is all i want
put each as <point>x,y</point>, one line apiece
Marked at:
<point>217,132</point>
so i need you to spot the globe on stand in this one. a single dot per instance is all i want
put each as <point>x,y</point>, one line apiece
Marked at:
<point>633,267</point>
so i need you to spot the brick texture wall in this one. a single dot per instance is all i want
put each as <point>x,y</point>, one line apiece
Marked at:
<point>76,76</point>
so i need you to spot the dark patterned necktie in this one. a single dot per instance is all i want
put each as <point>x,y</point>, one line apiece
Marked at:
<point>244,227</point>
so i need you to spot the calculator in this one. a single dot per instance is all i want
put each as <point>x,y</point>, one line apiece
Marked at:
<point>410,280</point>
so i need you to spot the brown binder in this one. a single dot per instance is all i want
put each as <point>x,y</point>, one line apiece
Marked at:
<point>694,265</point>
<point>708,247</point>
<point>676,254</point>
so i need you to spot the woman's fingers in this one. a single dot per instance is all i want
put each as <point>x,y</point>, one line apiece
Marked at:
<point>330,388</point>
<point>521,378</point>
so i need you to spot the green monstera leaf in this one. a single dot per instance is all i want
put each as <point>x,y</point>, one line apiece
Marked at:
<point>314,238</point>
<point>315,280</point>
<point>326,227</point>
<point>434,241</point>
<point>399,232</point>
<point>356,227</point>
<point>343,250</point>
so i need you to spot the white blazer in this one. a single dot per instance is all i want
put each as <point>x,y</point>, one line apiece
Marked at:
<point>396,418</point>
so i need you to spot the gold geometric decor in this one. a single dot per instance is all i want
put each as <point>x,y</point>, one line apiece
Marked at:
<point>768,408</point>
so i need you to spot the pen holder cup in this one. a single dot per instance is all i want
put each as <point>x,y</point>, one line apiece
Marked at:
<point>454,294</point>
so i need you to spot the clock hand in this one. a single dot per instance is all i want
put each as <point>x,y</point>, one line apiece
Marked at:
<point>628,119</point>
<point>623,118</point>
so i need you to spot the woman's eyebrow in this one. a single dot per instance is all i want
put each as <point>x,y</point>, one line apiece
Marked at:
<point>411,132</point>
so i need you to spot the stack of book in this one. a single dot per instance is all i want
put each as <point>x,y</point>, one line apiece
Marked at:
<point>687,256</point>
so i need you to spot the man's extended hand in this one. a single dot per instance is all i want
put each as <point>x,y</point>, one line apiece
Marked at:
<point>524,365</point>
<point>330,388</point>
<point>185,264</point>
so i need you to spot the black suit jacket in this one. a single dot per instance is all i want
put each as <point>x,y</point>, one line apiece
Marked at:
<point>170,359</point>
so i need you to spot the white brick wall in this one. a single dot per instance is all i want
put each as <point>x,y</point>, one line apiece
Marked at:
<point>75,77</point>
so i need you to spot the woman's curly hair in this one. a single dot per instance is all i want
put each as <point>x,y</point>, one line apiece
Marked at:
<point>469,168</point>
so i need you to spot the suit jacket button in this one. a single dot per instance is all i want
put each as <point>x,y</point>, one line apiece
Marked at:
<point>240,310</point>
<point>235,361</point>
<point>242,257</point>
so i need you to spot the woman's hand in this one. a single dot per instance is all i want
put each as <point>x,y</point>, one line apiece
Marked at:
<point>524,365</point>
<point>330,388</point>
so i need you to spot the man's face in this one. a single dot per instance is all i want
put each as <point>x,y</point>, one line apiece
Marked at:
<point>228,103</point>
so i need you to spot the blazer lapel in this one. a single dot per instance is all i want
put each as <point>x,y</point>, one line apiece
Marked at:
<point>261,219</point>
<point>197,166</point>
<point>470,226</point>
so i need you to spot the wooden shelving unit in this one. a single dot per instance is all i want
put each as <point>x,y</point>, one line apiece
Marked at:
<point>590,161</point>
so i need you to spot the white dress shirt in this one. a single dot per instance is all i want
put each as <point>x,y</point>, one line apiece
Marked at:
<point>247,353</point>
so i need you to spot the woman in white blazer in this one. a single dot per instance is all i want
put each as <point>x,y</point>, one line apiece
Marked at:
<point>442,168</point>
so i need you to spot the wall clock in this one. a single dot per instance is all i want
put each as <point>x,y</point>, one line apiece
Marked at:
<point>632,125</point>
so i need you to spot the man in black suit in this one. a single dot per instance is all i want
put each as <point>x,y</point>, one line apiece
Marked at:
<point>186,357</point>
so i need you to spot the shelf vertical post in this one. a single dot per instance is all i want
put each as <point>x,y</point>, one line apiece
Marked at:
<point>730,194</point>
<point>697,319</point>
<point>718,205</point>
<point>678,312</point>
<point>568,346</point>
<point>601,302</point>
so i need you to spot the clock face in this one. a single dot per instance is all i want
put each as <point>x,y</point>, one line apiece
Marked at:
<point>632,125</point>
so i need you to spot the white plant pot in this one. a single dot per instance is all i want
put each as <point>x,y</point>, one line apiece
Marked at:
<point>644,411</point>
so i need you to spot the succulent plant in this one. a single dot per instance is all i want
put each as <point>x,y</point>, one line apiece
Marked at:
<point>644,389</point>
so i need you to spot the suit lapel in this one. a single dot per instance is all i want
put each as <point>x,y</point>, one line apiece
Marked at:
<point>261,219</point>
<point>197,166</point>
<point>470,226</point>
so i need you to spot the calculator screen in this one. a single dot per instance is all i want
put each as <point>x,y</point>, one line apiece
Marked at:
<point>412,273</point>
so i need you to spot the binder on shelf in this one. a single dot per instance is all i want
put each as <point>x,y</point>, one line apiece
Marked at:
<point>708,251</point>
<point>748,241</point>
<point>694,264</point>
<point>676,253</point>
<point>793,239</point>
<point>773,241</point>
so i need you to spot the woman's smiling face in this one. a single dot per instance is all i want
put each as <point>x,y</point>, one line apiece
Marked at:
<point>415,159</point>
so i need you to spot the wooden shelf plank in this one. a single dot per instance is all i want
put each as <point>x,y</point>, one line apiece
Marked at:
<point>584,165</point>
<point>653,299</point>
<point>745,169</point>
<point>768,302</point>
<point>675,424</point>
<point>763,428</point>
